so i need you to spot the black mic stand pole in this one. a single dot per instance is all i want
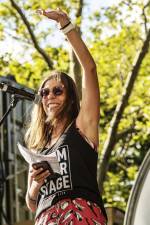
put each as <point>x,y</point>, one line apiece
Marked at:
<point>13,103</point>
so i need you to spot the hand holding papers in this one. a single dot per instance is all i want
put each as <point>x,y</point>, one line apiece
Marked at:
<point>33,158</point>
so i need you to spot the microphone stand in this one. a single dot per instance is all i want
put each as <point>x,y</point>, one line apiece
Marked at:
<point>13,103</point>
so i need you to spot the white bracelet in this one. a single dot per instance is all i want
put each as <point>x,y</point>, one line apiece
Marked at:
<point>68,28</point>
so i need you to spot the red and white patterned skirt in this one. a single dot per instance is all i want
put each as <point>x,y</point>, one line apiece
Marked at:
<point>72,212</point>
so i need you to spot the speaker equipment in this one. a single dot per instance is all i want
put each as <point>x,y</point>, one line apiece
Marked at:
<point>138,207</point>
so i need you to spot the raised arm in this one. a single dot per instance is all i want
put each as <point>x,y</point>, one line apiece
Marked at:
<point>88,118</point>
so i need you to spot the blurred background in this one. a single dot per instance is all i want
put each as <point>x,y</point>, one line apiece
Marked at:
<point>117,34</point>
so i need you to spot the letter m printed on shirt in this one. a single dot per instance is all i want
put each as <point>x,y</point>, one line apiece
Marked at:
<point>64,161</point>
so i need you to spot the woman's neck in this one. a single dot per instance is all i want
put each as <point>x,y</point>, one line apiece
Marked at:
<point>58,128</point>
<point>57,131</point>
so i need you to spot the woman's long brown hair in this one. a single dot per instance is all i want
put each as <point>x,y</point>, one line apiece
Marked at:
<point>39,129</point>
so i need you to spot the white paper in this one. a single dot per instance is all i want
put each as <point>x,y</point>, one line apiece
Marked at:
<point>32,157</point>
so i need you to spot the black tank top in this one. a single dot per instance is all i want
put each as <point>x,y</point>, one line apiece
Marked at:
<point>78,163</point>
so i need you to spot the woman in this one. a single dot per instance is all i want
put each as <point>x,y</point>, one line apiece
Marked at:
<point>59,125</point>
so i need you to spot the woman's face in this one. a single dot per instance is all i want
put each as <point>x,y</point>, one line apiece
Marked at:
<point>53,97</point>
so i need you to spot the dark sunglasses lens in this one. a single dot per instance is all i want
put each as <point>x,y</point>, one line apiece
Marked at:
<point>44,92</point>
<point>57,91</point>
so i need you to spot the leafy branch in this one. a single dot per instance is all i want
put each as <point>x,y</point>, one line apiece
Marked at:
<point>112,133</point>
<point>33,38</point>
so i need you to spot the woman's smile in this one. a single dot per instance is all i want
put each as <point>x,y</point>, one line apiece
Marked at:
<point>52,105</point>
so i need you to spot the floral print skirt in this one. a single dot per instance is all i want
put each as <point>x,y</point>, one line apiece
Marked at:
<point>72,212</point>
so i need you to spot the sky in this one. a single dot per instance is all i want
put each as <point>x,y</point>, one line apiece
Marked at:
<point>13,47</point>
<point>96,3</point>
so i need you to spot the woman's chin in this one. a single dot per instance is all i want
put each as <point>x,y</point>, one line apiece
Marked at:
<point>51,111</point>
<point>51,114</point>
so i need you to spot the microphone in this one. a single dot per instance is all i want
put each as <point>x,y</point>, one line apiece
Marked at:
<point>21,93</point>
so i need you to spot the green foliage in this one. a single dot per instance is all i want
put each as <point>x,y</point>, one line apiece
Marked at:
<point>30,73</point>
<point>115,191</point>
<point>114,55</point>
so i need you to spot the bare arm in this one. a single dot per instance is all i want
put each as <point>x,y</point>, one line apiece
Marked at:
<point>35,181</point>
<point>88,117</point>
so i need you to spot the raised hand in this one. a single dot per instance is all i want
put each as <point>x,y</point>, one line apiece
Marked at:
<point>56,15</point>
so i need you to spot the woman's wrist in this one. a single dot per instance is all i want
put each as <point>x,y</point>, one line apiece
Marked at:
<point>65,25</point>
<point>32,192</point>
<point>63,20</point>
<point>32,199</point>
<point>67,28</point>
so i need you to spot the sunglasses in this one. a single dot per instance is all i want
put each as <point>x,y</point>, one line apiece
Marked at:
<point>56,91</point>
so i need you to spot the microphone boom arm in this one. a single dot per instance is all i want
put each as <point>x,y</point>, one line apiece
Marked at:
<point>19,92</point>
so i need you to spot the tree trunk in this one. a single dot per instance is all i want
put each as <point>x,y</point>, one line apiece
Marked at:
<point>112,133</point>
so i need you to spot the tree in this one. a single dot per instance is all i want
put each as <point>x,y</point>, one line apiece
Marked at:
<point>111,139</point>
<point>119,132</point>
